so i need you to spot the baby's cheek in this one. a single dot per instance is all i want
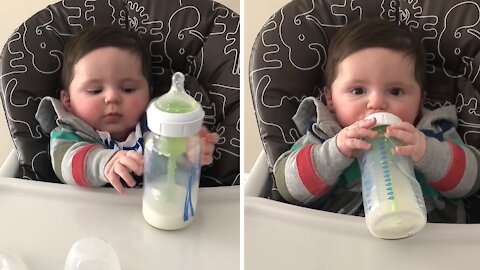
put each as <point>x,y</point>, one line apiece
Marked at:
<point>138,106</point>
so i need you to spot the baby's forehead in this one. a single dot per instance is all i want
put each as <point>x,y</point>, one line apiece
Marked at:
<point>365,59</point>
<point>376,65</point>
<point>375,51</point>
<point>109,49</point>
<point>107,65</point>
<point>108,55</point>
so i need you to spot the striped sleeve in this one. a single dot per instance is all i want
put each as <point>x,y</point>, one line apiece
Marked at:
<point>78,162</point>
<point>79,165</point>
<point>309,172</point>
<point>451,168</point>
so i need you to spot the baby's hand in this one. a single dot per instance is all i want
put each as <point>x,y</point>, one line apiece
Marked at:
<point>207,145</point>
<point>415,141</point>
<point>120,166</point>
<point>349,138</point>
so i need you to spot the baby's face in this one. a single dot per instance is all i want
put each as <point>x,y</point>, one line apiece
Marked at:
<point>375,80</point>
<point>108,91</point>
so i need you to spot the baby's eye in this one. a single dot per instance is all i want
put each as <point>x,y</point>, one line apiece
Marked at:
<point>396,91</point>
<point>357,91</point>
<point>128,90</point>
<point>94,91</point>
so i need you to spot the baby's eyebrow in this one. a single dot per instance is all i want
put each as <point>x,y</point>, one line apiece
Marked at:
<point>89,82</point>
<point>95,81</point>
<point>354,82</point>
<point>360,82</point>
<point>130,80</point>
<point>399,84</point>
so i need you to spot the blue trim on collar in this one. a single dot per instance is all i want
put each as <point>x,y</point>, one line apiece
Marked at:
<point>444,126</point>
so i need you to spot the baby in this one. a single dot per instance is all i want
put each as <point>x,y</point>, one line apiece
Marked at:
<point>97,126</point>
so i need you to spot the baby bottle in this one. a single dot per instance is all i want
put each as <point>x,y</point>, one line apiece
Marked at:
<point>392,197</point>
<point>172,158</point>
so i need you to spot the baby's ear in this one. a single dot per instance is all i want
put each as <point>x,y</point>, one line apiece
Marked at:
<point>422,101</point>
<point>328,98</point>
<point>65,100</point>
<point>423,97</point>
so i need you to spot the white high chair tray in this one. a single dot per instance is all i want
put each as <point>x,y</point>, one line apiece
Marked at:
<point>41,221</point>
<point>282,236</point>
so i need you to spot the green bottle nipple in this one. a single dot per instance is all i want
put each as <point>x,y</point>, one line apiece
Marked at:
<point>176,100</point>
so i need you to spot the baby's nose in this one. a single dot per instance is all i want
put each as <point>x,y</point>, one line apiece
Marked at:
<point>376,101</point>
<point>112,96</point>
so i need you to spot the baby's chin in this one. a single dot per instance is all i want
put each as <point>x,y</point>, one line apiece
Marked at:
<point>118,134</point>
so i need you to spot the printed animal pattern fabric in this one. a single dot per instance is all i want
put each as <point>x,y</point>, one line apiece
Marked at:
<point>197,37</point>
<point>293,43</point>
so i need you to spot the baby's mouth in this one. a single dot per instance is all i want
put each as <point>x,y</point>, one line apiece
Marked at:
<point>112,117</point>
<point>113,114</point>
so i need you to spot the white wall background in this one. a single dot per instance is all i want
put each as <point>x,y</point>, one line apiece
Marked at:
<point>256,13</point>
<point>12,14</point>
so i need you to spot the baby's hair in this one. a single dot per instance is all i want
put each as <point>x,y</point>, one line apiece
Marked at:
<point>371,33</point>
<point>100,36</point>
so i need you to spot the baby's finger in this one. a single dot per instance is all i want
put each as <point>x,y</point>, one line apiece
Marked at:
<point>111,162</point>
<point>361,129</point>
<point>357,144</point>
<point>213,137</point>
<point>135,155</point>
<point>403,135</point>
<point>132,164</point>
<point>208,148</point>
<point>366,123</point>
<point>402,125</point>
<point>210,136</point>
<point>115,182</point>
<point>360,133</point>
<point>206,159</point>
<point>406,150</point>
<point>122,171</point>
<point>203,131</point>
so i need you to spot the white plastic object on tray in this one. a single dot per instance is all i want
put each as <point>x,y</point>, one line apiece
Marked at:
<point>92,254</point>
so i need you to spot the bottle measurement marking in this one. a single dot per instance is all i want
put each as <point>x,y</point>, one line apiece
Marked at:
<point>390,189</point>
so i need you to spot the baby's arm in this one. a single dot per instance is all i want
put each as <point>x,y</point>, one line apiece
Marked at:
<point>309,170</point>
<point>450,166</point>
<point>76,161</point>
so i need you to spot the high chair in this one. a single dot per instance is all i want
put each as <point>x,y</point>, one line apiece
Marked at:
<point>199,38</point>
<point>289,55</point>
